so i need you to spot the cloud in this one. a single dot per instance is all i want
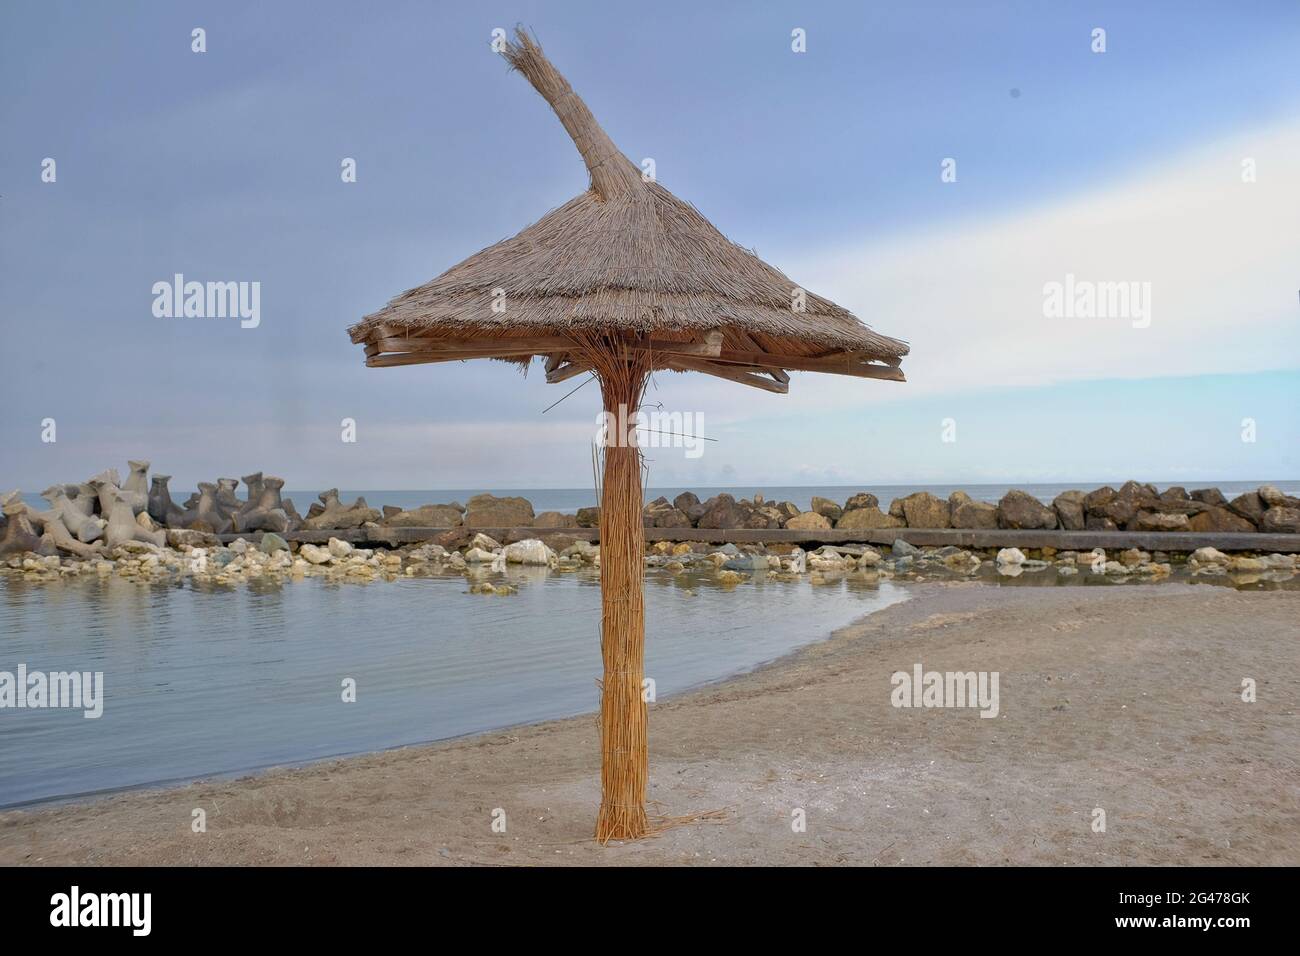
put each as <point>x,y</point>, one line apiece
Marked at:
<point>1222,258</point>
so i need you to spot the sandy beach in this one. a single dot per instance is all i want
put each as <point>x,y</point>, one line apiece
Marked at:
<point>1125,699</point>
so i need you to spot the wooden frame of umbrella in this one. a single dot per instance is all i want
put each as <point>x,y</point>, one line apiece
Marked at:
<point>622,281</point>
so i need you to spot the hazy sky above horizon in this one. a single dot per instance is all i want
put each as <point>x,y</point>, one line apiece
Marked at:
<point>1122,166</point>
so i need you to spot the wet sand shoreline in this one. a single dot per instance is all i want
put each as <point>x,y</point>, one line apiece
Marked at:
<point>1124,699</point>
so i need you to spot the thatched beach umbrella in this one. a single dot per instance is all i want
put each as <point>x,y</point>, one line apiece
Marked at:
<point>622,280</point>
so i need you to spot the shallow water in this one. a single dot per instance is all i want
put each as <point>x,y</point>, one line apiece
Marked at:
<point>202,680</point>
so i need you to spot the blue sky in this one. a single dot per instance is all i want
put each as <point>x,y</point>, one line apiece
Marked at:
<point>1124,165</point>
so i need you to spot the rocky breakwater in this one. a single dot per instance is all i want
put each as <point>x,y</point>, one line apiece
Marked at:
<point>132,528</point>
<point>1131,507</point>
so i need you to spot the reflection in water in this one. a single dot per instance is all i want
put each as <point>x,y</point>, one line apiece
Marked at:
<point>202,679</point>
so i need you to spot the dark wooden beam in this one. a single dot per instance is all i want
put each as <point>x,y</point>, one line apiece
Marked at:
<point>747,340</point>
<point>710,345</point>
<point>846,363</point>
<point>562,373</point>
<point>750,377</point>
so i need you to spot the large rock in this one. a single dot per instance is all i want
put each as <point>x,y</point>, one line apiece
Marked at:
<point>721,511</point>
<point>489,511</point>
<point>271,543</point>
<point>482,541</point>
<point>530,551</point>
<point>965,512</point>
<point>922,510</point>
<point>1281,521</point>
<point>866,519</point>
<point>588,517</point>
<point>786,510</point>
<point>1156,521</point>
<point>1214,518</point>
<point>425,516</point>
<point>1069,510</point>
<point>1177,506</point>
<point>1209,496</point>
<point>686,501</point>
<point>1122,506</point>
<point>1019,509</point>
<point>1273,497</point>
<point>315,554</point>
<point>1249,506</point>
<point>809,521</point>
<point>1095,501</point>
<point>826,508</point>
<point>862,500</point>
<point>1207,556</point>
<point>661,514</point>
<point>1175,500</point>
<point>764,517</point>
<point>555,519</point>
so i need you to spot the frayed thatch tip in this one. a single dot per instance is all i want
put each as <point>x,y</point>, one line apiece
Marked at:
<point>612,173</point>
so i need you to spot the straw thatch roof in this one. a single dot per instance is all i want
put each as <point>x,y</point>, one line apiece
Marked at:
<point>624,262</point>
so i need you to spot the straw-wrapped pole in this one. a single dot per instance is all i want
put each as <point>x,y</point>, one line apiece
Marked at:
<point>624,769</point>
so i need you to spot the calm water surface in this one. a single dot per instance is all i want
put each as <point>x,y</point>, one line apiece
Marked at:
<point>203,680</point>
